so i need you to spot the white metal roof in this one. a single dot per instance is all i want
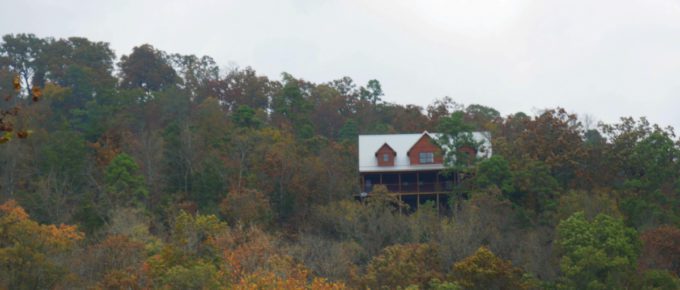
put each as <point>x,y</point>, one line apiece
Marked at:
<point>401,143</point>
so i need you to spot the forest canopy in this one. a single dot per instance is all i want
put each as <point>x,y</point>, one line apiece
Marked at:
<point>161,170</point>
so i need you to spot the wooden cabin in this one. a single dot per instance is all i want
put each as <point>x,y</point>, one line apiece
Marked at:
<point>410,166</point>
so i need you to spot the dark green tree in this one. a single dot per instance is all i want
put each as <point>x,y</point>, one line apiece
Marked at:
<point>494,172</point>
<point>245,117</point>
<point>124,183</point>
<point>292,106</point>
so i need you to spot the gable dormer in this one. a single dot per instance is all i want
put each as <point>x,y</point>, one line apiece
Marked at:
<point>385,155</point>
<point>425,151</point>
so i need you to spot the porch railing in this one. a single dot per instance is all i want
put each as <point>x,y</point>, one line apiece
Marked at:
<point>414,187</point>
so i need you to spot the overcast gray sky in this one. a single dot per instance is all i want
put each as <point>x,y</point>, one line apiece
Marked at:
<point>604,58</point>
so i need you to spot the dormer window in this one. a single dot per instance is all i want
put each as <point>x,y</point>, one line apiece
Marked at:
<point>385,155</point>
<point>425,151</point>
<point>426,157</point>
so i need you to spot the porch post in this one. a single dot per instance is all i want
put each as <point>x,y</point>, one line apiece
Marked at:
<point>418,182</point>
<point>399,174</point>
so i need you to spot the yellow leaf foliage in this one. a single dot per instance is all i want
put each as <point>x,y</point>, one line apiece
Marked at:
<point>29,250</point>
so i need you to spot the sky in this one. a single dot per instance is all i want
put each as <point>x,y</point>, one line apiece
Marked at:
<point>599,58</point>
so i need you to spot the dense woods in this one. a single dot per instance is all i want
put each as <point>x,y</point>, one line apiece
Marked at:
<point>160,170</point>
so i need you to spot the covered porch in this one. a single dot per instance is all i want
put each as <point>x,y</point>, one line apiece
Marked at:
<point>409,182</point>
<point>414,188</point>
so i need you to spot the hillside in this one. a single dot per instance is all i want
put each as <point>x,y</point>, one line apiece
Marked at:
<point>160,170</point>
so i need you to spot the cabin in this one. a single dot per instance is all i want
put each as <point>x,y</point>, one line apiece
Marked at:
<point>410,166</point>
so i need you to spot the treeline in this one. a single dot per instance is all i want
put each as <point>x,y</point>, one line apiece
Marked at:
<point>166,172</point>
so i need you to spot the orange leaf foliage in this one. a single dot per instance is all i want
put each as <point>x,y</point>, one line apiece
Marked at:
<point>26,248</point>
<point>16,82</point>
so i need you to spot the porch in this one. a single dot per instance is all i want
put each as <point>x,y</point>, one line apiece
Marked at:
<point>414,182</point>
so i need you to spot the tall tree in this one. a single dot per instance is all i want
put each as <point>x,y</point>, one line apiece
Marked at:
<point>23,54</point>
<point>196,73</point>
<point>372,92</point>
<point>147,68</point>
<point>291,107</point>
<point>481,116</point>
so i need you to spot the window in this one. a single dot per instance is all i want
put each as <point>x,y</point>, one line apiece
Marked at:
<point>426,157</point>
<point>386,157</point>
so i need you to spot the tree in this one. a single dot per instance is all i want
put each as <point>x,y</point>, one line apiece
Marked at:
<point>116,253</point>
<point>201,275</point>
<point>661,249</point>
<point>484,270</point>
<point>191,252</point>
<point>147,68</point>
<point>246,206</point>
<point>285,274</point>
<point>535,188</point>
<point>291,105</point>
<point>374,225</point>
<point>243,87</point>
<point>481,116</point>
<point>18,60</point>
<point>487,219</point>
<point>125,184</point>
<point>372,92</point>
<point>456,135</point>
<point>494,171</point>
<point>23,52</point>
<point>403,265</point>
<point>591,203</point>
<point>60,181</point>
<point>196,73</point>
<point>349,131</point>
<point>83,66</point>
<point>553,138</point>
<point>194,235</point>
<point>441,108</point>
<point>245,117</point>
<point>643,161</point>
<point>30,253</point>
<point>658,280</point>
<point>601,254</point>
<point>330,111</point>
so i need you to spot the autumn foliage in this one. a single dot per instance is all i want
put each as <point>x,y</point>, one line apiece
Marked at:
<point>484,270</point>
<point>159,170</point>
<point>661,249</point>
<point>29,251</point>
